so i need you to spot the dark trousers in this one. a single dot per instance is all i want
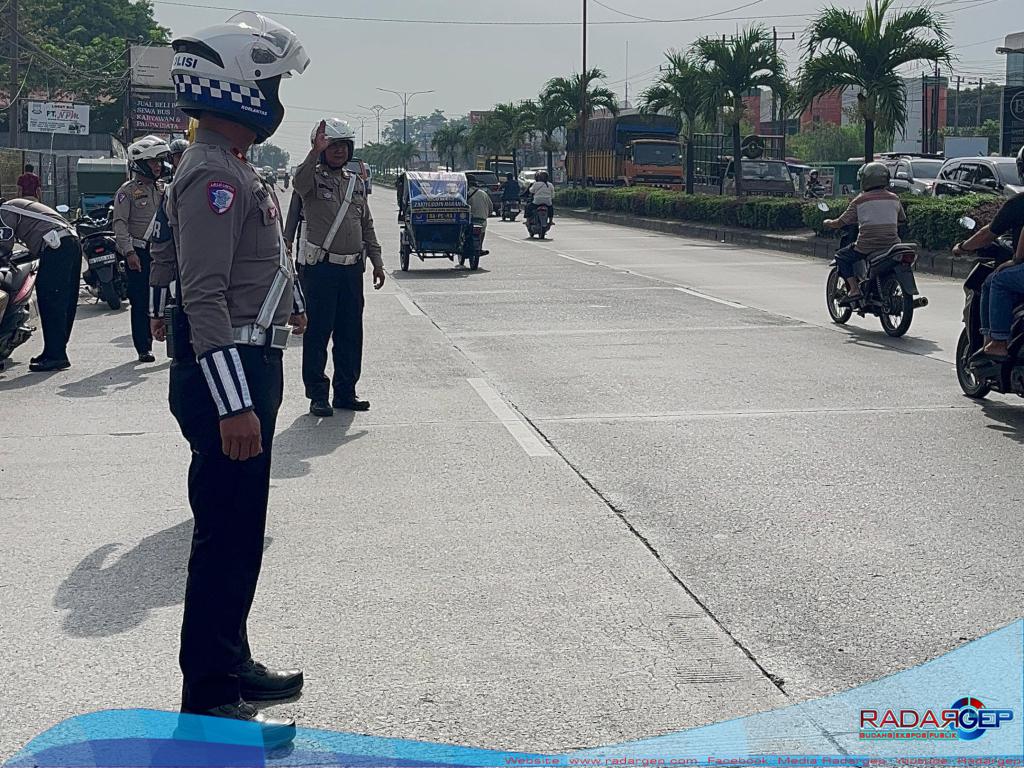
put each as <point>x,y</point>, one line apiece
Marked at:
<point>138,295</point>
<point>229,505</point>
<point>846,261</point>
<point>60,272</point>
<point>334,306</point>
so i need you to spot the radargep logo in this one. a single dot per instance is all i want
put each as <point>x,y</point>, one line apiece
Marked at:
<point>966,719</point>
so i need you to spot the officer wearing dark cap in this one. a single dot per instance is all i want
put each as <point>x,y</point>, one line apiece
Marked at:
<point>235,285</point>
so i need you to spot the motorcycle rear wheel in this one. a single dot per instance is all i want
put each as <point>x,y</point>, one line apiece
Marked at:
<point>109,294</point>
<point>965,375</point>
<point>894,298</point>
<point>835,291</point>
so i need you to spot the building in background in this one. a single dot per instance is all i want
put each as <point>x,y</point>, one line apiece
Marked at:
<point>1015,60</point>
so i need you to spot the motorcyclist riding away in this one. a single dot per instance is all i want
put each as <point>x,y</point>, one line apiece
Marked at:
<point>1004,287</point>
<point>878,214</point>
<point>542,192</point>
<point>510,192</point>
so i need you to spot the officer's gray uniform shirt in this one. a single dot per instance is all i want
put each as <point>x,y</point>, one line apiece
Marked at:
<point>135,205</point>
<point>323,191</point>
<point>29,231</point>
<point>226,227</point>
<point>163,257</point>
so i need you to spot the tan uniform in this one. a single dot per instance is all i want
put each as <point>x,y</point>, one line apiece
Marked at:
<point>30,230</point>
<point>135,206</point>
<point>225,222</point>
<point>323,192</point>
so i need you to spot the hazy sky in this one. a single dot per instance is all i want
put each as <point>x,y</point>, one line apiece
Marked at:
<point>473,66</point>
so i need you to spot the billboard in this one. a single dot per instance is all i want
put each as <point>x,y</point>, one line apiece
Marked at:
<point>151,66</point>
<point>476,116</point>
<point>155,112</point>
<point>1013,120</point>
<point>51,117</point>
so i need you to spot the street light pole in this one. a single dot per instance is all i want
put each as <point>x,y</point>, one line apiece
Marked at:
<point>405,97</point>
<point>583,105</point>
<point>377,110</point>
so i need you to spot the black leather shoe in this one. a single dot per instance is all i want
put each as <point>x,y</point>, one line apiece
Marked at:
<point>355,404</point>
<point>275,730</point>
<point>146,357</point>
<point>321,409</point>
<point>257,683</point>
<point>49,365</point>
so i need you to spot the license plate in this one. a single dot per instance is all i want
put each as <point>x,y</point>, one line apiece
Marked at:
<point>107,258</point>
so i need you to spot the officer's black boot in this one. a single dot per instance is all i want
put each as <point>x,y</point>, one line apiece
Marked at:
<point>321,409</point>
<point>275,730</point>
<point>257,683</point>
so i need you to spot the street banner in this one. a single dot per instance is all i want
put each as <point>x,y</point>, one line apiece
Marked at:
<point>51,117</point>
<point>1013,120</point>
<point>156,111</point>
<point>151,66</point>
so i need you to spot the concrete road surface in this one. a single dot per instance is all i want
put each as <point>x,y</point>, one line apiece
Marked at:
<point>612,486</point>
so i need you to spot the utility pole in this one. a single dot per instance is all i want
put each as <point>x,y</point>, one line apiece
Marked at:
<point>935,111</point>
<point>583,105</point>
<point>775,107</point>
<point>956,108</point>
<point>128,127</point>
<point>977,120</point>
<point>13,111</point>
<point>925,119</point>
<point>405,97</point>
<point>626,100</point>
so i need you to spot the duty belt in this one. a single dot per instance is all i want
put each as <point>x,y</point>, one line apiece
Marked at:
<point>344,258</point>
<point>136,243</point>
<point>275,337</point>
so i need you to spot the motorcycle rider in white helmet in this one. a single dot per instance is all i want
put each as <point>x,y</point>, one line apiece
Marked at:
<point>338,236</point>
<point>135,207</point>
<point>236,291</point>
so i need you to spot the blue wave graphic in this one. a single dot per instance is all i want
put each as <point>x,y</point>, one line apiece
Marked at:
<point>826,731</point>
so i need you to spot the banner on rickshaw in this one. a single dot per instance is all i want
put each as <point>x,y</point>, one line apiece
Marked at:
<point>438,197</point>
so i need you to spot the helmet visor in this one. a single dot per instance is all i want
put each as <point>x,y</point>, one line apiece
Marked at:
<point>275,45</point>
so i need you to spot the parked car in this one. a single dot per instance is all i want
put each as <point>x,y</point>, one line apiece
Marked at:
<point>362,170</point>
<point>985,175</point>
<point>489,180</point>
<point>915,175</point>
<point>762,177</point>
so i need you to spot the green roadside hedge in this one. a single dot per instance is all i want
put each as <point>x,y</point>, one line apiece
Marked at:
<point>932,222</point>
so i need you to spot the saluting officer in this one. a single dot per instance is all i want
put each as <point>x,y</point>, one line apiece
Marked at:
<point>50,239</point>
<point>236,288</point>
<point>338,236</point>
<point>135,208</point>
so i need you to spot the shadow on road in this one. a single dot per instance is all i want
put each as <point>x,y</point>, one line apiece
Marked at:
<point>433,274</point>
<point>871,338</point>
<point>125,342</point>
<point>23,378</point>
<point>1011,419</point>
<point>106,601</point>
<point>308,438</point>
<point>119,378</point>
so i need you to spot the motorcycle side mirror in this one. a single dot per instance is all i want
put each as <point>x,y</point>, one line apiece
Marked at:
<point>823,207</point>
<point>62,209</point>
<point>967,222</point>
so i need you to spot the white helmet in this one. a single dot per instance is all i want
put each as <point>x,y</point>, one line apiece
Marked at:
<point>234,69</point>
<point>335,129</point>
<point>147,148</point>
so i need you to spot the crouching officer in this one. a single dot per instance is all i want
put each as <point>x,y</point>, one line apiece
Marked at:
<point>236,289</point>
<point>50,239</point>
<point>135,208</point>
<point>338,235</point>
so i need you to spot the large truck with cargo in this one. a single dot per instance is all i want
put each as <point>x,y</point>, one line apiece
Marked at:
<point>628,150</point>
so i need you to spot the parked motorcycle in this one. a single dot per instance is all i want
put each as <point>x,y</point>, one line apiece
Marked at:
<point>509,210</point>
<point>17,281</point>
<point>106,276</point>
<point>539,223</point>
<point>886,281</point>
<point>1006,377</point>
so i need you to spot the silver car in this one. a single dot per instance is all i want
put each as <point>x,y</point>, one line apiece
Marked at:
<point>979,175</point>
<point>915,175</point>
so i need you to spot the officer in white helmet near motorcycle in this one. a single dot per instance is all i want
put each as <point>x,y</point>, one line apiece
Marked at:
<point>236,289</point>
<point>135,208</point>
<point>338,236</point>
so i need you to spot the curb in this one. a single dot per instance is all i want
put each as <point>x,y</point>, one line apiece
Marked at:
<point>939,263</point>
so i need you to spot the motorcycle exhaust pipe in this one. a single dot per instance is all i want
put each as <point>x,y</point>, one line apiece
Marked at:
<point>921,302</point>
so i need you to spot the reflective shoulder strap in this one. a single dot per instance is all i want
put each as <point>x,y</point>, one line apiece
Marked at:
<point>336,225</point>
<point>33,215</point>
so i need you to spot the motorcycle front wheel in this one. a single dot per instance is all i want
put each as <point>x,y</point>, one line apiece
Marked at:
<point>835,291</point>
<point>897,308</point>
<point>969,381</point>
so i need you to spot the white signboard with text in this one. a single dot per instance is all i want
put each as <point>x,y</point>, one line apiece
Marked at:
<point>50,117</point>
<point>151,66</point>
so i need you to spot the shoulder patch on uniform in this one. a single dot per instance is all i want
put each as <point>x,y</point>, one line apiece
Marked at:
<point>121,196</point>
<point>221,196</point>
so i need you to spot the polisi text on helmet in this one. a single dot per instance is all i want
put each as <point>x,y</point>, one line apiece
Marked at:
<point>185,61</point>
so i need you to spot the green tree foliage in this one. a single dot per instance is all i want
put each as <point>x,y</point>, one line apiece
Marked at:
<point>269,154</point>
<point>679,92</point>
<point>866,51</point>
<point>826,143</point>
<point>448,141</point>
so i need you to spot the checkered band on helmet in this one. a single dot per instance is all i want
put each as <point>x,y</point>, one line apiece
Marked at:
<point>221,94</point>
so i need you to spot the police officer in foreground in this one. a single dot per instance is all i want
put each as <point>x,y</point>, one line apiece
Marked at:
<point>50,239</point>
<point>236,290</point>
<point>135,208</point>
<point>338,236</point>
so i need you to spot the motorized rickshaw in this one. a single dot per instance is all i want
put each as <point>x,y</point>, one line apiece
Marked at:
<point>98,182</point>
<point>435,218</point>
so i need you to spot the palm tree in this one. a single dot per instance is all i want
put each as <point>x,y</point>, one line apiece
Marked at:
<point>491,136</point>
<point>846,49</point>
<point>567,93</point>
<point>679,91</point>
<point>551,116</point>
<point>734,67</point>
<point>402,153</point>
<point>448,140</point>
<point>515,124</point>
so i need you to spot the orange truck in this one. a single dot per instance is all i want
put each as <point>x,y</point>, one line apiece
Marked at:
<point>629,150</point>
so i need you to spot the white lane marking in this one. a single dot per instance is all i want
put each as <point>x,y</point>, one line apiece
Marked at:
<point>715,299</point>
<point>581,261</point>
<point>410,307</point>
<point>516,426</point>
